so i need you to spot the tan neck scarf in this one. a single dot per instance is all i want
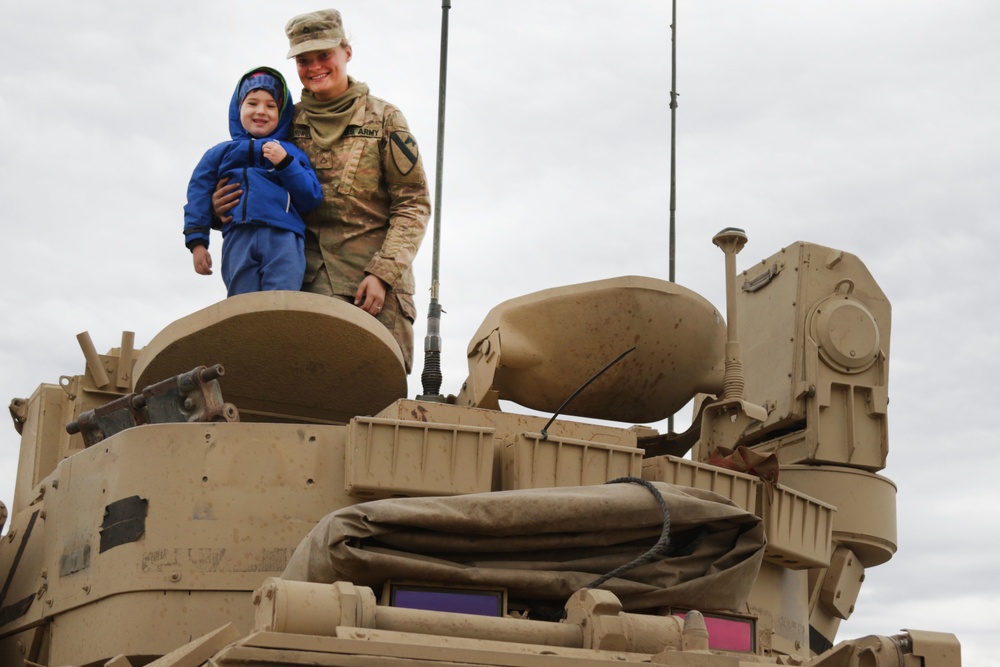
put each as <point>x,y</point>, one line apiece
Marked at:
<point>328,119</point>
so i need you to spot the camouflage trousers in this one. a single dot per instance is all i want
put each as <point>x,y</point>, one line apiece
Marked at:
<point>397,313</point>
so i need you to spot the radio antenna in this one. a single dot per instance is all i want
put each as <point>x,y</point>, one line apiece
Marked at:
<point>431,378</point>
<point>673,157</point>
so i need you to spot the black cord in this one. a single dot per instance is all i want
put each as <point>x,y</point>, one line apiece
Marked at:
<point>658,550</point>
<point>545,429</point>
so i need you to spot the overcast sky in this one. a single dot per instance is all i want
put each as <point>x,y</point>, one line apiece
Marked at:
<point>867,126</point>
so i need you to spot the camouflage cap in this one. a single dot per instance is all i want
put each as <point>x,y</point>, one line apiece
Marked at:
<point>314,31</point>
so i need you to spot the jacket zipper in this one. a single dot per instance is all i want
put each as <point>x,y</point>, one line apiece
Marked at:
<point>246,182</point>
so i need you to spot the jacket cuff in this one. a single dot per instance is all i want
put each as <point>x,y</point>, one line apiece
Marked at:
<point>385,269</point>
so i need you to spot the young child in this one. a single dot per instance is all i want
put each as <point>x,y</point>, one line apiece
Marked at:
<point>263,244</point>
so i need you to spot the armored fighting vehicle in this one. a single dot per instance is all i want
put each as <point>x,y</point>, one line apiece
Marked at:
<point>253,487</point>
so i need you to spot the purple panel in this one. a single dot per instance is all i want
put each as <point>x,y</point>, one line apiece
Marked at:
<point>471,602</point>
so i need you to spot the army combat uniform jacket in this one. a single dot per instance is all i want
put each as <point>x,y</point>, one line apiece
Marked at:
<point>374,212</point>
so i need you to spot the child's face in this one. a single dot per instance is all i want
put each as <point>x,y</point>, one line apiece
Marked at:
<point>259,113</point>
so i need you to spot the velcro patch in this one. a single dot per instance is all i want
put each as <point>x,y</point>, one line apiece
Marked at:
<point>124,522</point>
<point>404,151</point>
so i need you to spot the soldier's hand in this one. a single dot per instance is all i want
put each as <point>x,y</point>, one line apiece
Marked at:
<point>202,260</point>
<point>370,296</point>
<point>225,198</point>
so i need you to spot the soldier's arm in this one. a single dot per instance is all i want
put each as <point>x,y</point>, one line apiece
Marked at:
<point>409,202</point>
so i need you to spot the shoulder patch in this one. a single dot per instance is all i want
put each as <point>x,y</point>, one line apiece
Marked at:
<point>358,131</point>
<point>404,151</point>
<point>301,132</point>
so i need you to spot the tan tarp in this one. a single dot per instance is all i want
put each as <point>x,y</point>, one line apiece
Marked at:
<point>544,544</point>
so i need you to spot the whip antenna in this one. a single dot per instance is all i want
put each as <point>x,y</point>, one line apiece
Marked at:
<point>673,157</point>
<point>673,138</point>
<point>430,378</point>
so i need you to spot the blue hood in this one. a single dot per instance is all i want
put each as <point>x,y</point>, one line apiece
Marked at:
<point>272,195</point>
<point>285,107</point>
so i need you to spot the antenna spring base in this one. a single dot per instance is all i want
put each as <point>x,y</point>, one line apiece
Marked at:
<point>430,378</point>
<point>733,382</point>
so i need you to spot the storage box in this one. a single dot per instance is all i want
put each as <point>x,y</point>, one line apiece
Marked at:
<point>531,462</point>
<point>739,487</point>
<point>799,529</point>
<point>392,458</point>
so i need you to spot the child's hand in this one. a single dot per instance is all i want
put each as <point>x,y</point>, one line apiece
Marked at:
<point>274,152</point>
<point>202,260</point>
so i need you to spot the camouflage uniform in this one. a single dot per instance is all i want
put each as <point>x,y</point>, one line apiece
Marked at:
<point>373,216</point>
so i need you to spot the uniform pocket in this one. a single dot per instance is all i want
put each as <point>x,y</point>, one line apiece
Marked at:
<point>363,170</point>
<point>407,306</point>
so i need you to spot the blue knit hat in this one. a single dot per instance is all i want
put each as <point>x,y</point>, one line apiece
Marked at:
<point>262,81</point>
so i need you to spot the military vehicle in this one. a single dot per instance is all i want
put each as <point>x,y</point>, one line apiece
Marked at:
<point>253,487</point>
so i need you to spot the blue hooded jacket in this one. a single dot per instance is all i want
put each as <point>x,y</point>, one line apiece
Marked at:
<point>272,195</point>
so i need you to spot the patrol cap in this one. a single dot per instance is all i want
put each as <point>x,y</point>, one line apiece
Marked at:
<point>314,31</point>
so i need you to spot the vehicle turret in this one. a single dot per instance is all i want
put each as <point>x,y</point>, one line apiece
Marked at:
<point>254,486</point>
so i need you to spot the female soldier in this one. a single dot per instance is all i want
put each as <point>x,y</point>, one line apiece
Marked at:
<point>361,241</point>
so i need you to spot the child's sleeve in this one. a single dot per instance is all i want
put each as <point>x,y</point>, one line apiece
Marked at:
<point>300,180</point>
<point>198,212</point>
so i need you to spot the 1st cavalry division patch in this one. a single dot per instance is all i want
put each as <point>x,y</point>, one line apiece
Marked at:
<point>404,151</point>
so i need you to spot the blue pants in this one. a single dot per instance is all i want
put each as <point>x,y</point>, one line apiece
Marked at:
<point>256,258</point>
